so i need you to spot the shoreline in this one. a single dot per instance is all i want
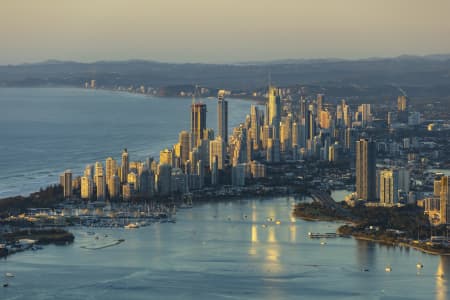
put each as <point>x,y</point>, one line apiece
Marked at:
<point>374,240</point>
<point>400,244</point>
<point>358,230</point>
<point>28,193</point>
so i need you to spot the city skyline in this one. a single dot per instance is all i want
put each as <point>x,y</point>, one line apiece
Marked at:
<point>212,149</point>
<point>226,32</point>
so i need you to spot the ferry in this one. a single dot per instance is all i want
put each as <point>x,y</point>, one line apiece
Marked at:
<point>322,235</point>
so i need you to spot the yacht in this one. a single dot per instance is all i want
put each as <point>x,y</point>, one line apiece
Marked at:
<point>131,226</point>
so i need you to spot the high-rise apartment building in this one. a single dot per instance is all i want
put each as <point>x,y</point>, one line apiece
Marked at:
<point>217,149</point>
<point>366,170</point>
<point>255,126</point>
<point>388,187</point>
<point>87,188</point>
<point>402,103</point>
<point>125,166</point>
<point>114,187</point>
<point>198,123</point>
<point>67,183</point>
<point>166,156</point>
<point>99,179</point>
<point>444,201</point>
<point>274,110</point>
<point>222,116</point>
<point>184,141</point>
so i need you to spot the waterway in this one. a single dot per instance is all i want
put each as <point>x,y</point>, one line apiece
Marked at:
<point>225,250</point>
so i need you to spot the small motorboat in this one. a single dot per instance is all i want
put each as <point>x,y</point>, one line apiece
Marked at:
<point>131,226</point>
<point>419,265</point>
<point>388,268</point>
<point>9,275</point>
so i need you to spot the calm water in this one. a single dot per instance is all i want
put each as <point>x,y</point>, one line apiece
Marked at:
<point>44,131</point>
<point>222,251</point>
<point>214,251</point>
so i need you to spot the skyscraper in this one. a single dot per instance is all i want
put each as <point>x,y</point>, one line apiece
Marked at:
<point>166,157</point>
<point>89,171</point>
<point>255,126</point>
<point>100,181</point>
<point>389,186</point>
<point>87,188</point>
<point>222,116</point>
<point>111,166</point>
<point>198,123</point>
<point>114,187</point>
<point>402,103</point>
<point>366,114</point>
<point>311,125</point>
<point>183,139</point>
<point>163,179</point>
<point>67,183</point>
<point>274,110</point>
<point>125,166</point>
<point>347,114</point>
<point>444,199</point>
<point>366,170</point>
<point>217,149</point>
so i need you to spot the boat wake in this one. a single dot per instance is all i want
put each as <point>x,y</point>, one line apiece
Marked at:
<point>115,243</point>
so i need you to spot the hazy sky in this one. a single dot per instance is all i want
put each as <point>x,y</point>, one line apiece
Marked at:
<point>220,30</point>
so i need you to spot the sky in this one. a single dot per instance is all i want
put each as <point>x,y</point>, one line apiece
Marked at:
<point>220,31</point>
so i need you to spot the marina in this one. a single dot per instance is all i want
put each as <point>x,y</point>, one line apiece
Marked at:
<point>232,252</point>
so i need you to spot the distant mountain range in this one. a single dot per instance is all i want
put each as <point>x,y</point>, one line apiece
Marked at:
<point>418,75</point>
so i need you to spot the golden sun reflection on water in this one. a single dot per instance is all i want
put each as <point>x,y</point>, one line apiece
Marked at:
<point>441,282</point>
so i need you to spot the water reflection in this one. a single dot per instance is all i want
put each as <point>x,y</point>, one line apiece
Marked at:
<point>293,233</point>
<point>271,237</point>
<point>442,272</point>
<point>365,254</point>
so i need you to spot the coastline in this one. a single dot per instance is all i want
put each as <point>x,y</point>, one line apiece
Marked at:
<point>401,244</point>
<point>379,241</point>
<point>357,229</point>
<point>41,179</point>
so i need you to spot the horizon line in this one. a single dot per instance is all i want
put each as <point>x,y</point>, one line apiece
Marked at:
<point>445,56</point>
